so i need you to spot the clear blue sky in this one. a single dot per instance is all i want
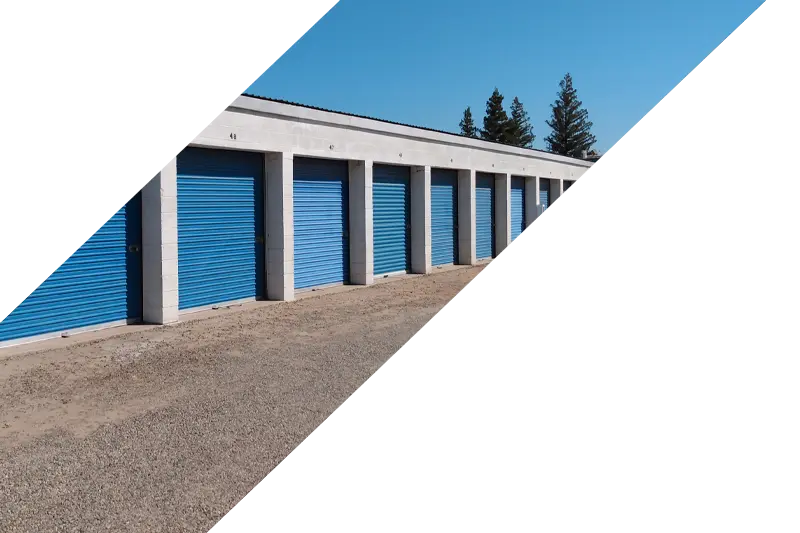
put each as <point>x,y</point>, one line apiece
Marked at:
<point>423,62</point>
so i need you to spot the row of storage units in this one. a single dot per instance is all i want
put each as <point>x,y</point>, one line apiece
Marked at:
<point>222,238</point>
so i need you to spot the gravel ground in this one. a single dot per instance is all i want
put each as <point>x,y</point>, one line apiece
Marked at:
<point>167,429</point>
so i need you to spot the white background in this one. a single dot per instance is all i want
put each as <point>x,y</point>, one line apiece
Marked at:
<point>98,96</point>
<point>630,363</point>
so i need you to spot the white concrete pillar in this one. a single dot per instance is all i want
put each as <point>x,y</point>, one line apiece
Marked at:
<point>361,256</point>
<point>279,181</point>
<point>421,220</point>
<point>556,189</point>
<point>531,200</point>
<point>502,212</point>
<point>160,247</point>
<point>466,217</point>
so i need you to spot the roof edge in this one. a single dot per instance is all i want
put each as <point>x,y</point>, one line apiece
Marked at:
<point>421,128</point>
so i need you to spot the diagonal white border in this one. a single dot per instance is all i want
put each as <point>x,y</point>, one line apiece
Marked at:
<point>84,236</point>
<point>507,252</point>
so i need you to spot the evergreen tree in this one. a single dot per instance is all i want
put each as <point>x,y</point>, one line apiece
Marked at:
<point>572,131</point>
<point>521,131</point>
<point>496,124</point>
<point>467,125</point>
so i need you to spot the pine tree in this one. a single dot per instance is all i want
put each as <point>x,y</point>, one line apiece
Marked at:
<point>572,131</point>
<point>467,125</point>
<point>521,132</point>
<point>496,123</point>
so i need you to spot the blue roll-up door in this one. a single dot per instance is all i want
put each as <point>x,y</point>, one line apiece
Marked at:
<point>444,216</point>
<point>517,207</point>
<point>391,219</point>
<point>220,227</point>
<point>321,240</point>
<point>544,193</point>
<point>484,216</point>
<point>101,283</point>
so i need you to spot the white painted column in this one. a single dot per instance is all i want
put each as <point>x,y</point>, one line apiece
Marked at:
<point>361,257</point>
<point>502,212</point>
<point>531,200</point>
<point>556,189</point>
<point>466,217</point>
<point>279,178</point>
<point>421,220</point>
<point>160,247</point>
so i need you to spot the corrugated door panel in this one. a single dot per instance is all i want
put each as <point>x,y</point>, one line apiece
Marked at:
<point>444,216</point>
<point>544,193</point>
<point>484,215</point>
<point>100,283</point>
<point>321,225</point>
<point>220,226</point>
<point>391,202</point>
<point>517,207</point>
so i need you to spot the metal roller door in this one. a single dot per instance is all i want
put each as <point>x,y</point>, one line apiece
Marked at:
<point>220,227</point>
<point>391,219</point>
<point>444,217</point>
<point>517,207</point>
<point>101,283</point>
<point>484,216</point>
<point>544,193</point>
<point>321,239</point>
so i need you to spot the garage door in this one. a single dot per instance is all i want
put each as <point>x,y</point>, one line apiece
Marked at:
<point>321,241</point>
<point>444,217</point>
<point>220,227</point>
<point>391,219</point>
<point>101,283</point>
<point>484,215</point>
<point>544,193</point>
<point>517,207</point>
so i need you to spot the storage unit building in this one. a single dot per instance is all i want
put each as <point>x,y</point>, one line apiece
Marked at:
<point>444,217</point>
<point>321,226</point>
<point>517,206</point>
<point>211,238</point>
<point>100,284</point>
<point>391,219</point>
<point>220,227</point>
<point>484,216</point>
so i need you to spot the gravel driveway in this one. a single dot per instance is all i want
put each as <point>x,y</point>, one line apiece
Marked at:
<point>167,429</point>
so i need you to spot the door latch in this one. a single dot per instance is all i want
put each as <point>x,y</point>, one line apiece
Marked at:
<point>134,248</point>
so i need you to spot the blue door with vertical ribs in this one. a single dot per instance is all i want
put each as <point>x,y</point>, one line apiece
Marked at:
<point>484,216</point>
<point>220,227</point>
<point>101,283</point>
<point>321,238</point>
<point>544,193</point>
<point>391,219</point>
<point>444,216</point>
<point>517,206</point>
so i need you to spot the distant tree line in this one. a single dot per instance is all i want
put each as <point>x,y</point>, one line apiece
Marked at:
<point>570,128</point>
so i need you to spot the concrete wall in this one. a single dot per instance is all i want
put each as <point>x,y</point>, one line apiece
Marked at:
<point>283,131</point>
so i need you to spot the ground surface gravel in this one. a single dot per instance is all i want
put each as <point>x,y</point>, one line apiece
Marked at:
<point>167,429</point>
